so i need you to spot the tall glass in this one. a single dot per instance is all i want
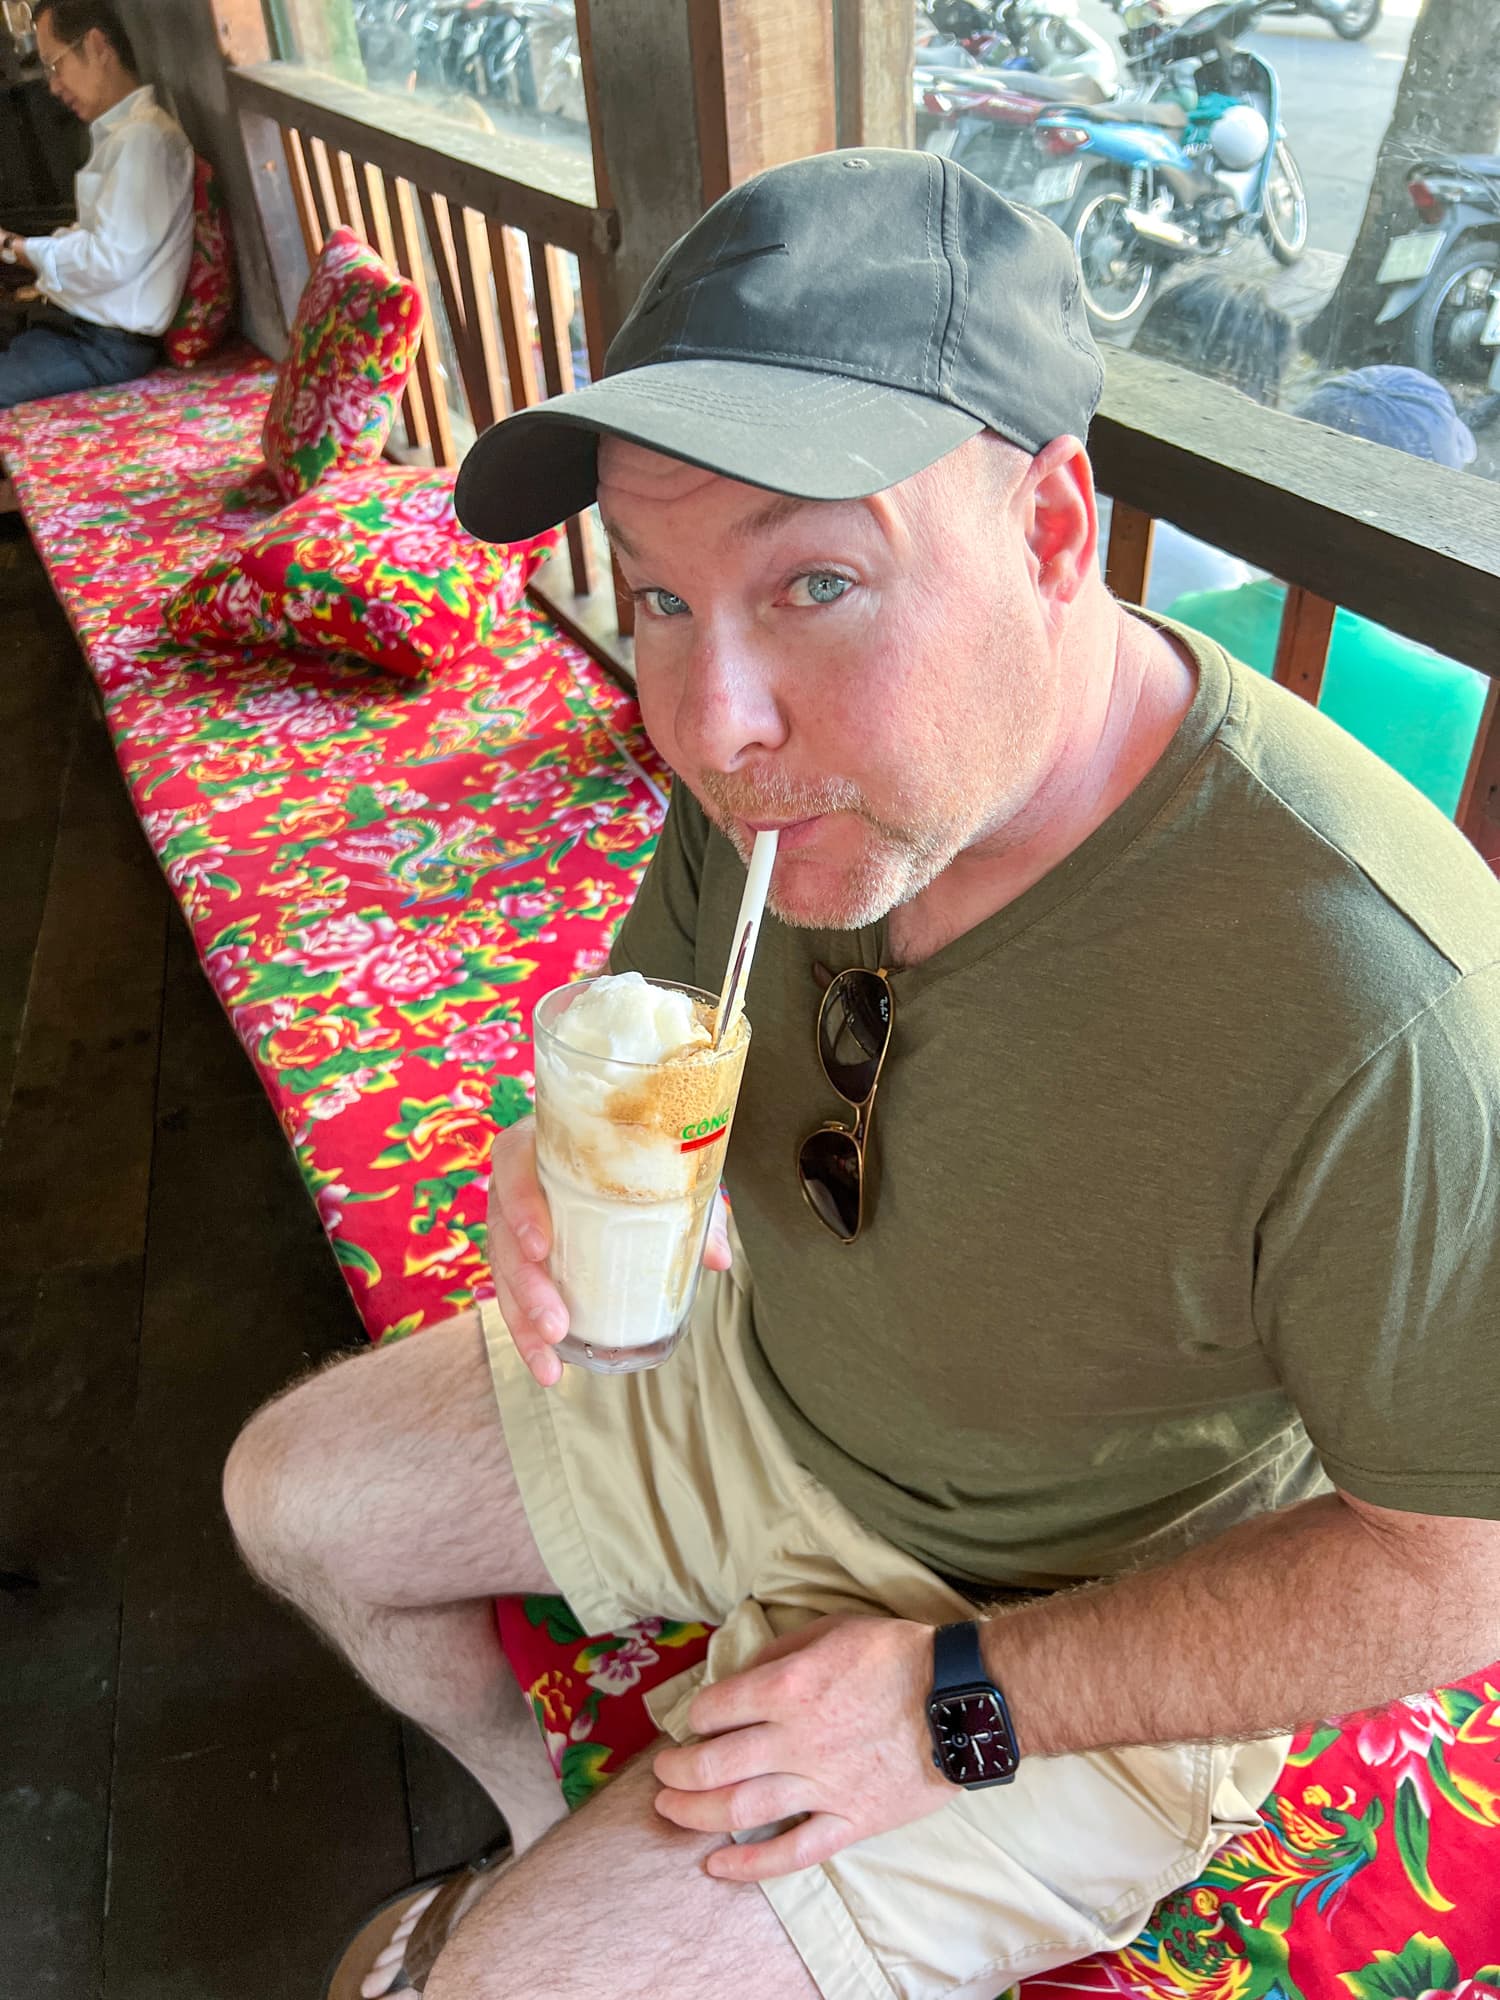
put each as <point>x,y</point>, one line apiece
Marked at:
<point>629,1156</point>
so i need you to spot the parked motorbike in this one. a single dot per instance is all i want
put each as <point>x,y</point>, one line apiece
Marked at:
<point>1183,173</point>
<point>1350,19</point>
<point>982,116</point>
<point>984,124</point>
<point>1444,276</point>
<point>1040,37</point>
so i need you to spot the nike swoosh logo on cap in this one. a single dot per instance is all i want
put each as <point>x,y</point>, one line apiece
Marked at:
<point>664,290</point>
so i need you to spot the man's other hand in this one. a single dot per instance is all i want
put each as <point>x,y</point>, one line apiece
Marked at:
<point>519,1240</point>
<point>829,1721</point>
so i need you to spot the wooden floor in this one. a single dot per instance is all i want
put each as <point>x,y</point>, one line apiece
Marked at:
<point>196,1800</point>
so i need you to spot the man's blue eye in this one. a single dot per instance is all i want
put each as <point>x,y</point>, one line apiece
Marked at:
<point>664,603</point>
<point>820,586</point>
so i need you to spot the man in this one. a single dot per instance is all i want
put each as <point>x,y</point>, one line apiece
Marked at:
<point>1176,1278</point>
<point>108,284</point>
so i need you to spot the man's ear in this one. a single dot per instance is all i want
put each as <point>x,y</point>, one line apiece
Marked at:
<point>1061,520</point>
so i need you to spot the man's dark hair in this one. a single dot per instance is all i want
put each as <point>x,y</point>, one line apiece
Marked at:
<point>1223,327</point>
<point>72,20</point>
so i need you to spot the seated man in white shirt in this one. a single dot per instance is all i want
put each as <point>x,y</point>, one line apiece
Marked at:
<point>108,285</point>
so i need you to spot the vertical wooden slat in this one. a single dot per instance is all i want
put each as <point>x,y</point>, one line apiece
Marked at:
<point>1127,562</point>
<point>477,283</point>
<point>1479,803</point>
<point>301,185</point>
<point>515,317</point>
<point>413,403</point>
<point>439,220</point>
<point>554,295</point>
<point>351,207</point>
<point>322,186</point>
<point>403,213</point>
<point>1302,648</point>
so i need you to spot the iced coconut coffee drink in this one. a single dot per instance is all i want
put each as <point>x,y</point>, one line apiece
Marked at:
<point>633,1110</point>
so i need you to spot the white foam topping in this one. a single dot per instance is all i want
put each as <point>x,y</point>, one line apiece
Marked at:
<point>624,1018</point>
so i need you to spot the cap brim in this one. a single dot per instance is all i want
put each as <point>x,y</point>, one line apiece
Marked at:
<point>816,437</point>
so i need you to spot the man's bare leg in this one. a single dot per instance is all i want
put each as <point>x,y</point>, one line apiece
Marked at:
<point>616,1902</point>
<point>378,1497</point>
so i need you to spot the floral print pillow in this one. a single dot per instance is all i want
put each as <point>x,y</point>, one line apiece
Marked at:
<point>373,564</point>
<point>349,353</point>
<point>207,304</point>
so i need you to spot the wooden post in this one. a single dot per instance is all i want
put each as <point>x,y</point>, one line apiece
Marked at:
<point>1127,562</point>
<point>1479,804</point>
<point>1302,647</point>
<point>874,51</point>
<point>688,99</point>
<point>240,27</point>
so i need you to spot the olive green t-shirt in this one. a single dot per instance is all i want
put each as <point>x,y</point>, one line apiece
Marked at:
<point>1188,1186</point>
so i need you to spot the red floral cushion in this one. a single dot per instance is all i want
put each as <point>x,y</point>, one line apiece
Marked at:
<point>349,353</point>
<point>207,304</point>
<point>371,563</point>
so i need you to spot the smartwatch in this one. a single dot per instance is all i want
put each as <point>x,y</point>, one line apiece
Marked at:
<point>973,1740</point>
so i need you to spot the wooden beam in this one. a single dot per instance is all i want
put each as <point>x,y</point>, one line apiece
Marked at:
<point>1418,551</point>
<point>1127,562</point>
<point>540,186</point>
<point>1302,644</point>
<point>1479,805</point>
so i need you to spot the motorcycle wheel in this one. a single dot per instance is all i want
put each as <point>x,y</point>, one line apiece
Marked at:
<point>1356,20</point>
<point>1444,326</point>
<point>1285,220</point>
<point>1119,273</point>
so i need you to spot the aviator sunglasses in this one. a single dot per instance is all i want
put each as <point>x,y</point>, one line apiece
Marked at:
<point>854,1032</point>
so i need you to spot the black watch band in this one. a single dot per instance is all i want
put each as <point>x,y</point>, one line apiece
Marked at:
<point>957,1660</point>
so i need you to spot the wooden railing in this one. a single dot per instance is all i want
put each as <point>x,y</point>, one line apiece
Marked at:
<point>469,236</point>
<point>1340,521</point>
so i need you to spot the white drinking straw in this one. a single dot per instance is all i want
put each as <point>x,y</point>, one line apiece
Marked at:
<point>746,931</point>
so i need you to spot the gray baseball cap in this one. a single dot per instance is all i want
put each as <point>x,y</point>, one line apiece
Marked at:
<point>826,330</point>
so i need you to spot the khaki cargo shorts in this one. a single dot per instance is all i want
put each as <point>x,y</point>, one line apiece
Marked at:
<point>672,1493</point>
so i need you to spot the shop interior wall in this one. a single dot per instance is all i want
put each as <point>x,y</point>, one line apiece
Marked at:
<point>176,45</point>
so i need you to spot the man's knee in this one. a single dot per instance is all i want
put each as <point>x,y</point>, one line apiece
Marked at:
<point>286,1495</point>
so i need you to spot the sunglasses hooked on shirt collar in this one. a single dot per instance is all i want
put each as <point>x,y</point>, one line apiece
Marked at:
<point>834,1164</point>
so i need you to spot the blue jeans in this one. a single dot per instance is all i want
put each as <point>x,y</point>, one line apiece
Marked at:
<point>56,352</point>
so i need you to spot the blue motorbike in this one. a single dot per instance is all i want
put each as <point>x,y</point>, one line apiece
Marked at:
<point>1189,166</point>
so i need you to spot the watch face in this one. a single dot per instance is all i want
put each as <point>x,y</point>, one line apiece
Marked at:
<point>974,1743</point>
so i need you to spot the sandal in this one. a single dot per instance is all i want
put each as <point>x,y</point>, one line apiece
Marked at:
<point>451,1895</point>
